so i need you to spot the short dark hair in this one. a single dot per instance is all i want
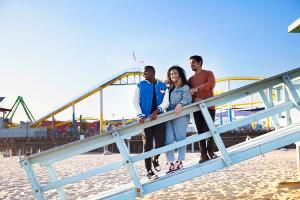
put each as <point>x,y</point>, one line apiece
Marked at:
<point>150,67</point>
<point>181,73</point>
<point>197,58</point>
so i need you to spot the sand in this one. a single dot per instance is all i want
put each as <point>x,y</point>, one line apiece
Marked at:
<point>264,177</point>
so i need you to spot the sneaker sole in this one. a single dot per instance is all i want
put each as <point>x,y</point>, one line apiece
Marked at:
<point>153,178</point>
<point>175,170</point>
<point>158,169</point>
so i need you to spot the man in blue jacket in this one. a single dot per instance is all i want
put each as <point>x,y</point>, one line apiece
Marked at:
<point>151,98</point>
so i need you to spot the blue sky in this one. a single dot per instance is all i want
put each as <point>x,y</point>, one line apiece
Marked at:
<point>50,51</point>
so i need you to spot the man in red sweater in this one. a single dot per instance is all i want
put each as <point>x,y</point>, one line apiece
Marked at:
<point>202,85</point>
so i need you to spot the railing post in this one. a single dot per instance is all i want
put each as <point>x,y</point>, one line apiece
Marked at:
<point>291,90</point>
<point>128,145</point>
<point>193,147</point>
<point>130,167</point>
<point>53,177</point>
<point>298,157</point>
<point>269,105</point>
<point>288,112</point>
<point>215,134</point>
<point>36,189</point>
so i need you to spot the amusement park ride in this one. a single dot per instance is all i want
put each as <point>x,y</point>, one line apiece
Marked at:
<point>14,108</point>
<point>8,118</point>
<point>129,77</point>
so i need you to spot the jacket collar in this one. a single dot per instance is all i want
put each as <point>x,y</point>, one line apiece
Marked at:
<point>151,83</point>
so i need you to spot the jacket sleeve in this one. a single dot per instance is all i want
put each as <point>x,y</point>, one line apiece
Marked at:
<point>136,103</point>
<point>187,97</point>
<point>210,84</point>
<point>165,103</point>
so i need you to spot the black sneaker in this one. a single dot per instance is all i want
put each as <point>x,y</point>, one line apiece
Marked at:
<point>203,159</point>
<point>151,175</point>
<point>212,155</point>
<point>156,165</point>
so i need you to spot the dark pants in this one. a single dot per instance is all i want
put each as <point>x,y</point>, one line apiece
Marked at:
<point>202,127</point>
<point>158,133</point>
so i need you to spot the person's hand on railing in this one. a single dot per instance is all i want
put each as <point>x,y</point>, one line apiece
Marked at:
<point>193,90</point>
<point>141,120</point>
<point>178,109</point>
<point>153,116</point>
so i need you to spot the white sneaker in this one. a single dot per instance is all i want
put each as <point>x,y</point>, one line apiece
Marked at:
<point>178,165</point>
<point>170,166</point>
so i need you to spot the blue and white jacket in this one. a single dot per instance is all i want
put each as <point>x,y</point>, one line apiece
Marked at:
<point>143,98</point>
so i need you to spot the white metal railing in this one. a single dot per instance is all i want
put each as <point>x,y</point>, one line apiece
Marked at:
<point>278,138</point>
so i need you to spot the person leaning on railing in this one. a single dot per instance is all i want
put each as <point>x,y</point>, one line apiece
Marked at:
<point>202,85</point>
<point>176,128</point>
<point>150,99</point>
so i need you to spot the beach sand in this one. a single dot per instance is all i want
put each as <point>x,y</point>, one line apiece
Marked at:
<point>263,177</point>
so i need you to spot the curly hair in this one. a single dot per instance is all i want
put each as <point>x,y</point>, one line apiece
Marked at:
<point>181,73</point>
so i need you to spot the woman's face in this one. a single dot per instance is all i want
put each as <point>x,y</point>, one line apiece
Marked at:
<point>174,75</point>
